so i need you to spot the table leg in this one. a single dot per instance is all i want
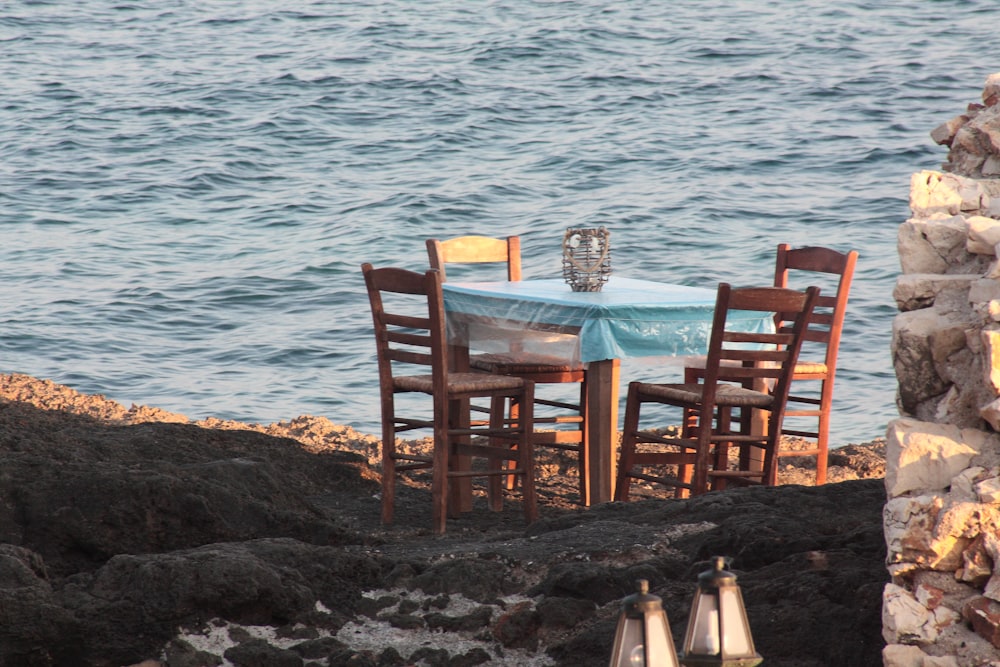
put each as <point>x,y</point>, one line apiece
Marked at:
<point>758,426</point>
<point>601,429</point>
<point>460,489</point>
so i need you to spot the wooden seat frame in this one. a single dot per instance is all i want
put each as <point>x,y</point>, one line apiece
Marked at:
<point>823,339</point>
<point>489,250</point>
<point>405,340</point>
<point>721,411</point>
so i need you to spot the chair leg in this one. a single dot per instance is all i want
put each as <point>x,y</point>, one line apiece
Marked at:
<point>526,458</point>
<point>689,423</point>
<point>769,475</point>
<point>388,471</point>
<point>823,432</point>
<point>703,455</point>
<point>822,456</point>
<point>494,482</point>
<point>720,454</point>
<point>583,456</point>
<point>439,484</point>
<point>630,431</point>
<point>510,481</point>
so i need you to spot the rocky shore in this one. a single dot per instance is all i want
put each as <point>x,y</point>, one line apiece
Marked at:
<point>135,536</point>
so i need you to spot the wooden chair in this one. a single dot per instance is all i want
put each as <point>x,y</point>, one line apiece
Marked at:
<point>565,421</point>
<point>410,334</point>
<point>827,268</point>
<point>721,410</point>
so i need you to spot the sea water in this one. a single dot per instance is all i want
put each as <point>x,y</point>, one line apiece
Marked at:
<point>187,189</point>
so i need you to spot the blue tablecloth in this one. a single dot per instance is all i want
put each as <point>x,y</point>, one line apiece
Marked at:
<point>628,318</point>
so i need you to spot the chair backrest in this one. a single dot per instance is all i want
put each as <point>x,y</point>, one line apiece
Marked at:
<point>407,330</point>
<point>758,357</point>
<point>828,319</point>
<point>476,250</point>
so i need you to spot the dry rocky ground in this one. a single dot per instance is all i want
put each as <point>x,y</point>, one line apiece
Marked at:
<point>131,535</point>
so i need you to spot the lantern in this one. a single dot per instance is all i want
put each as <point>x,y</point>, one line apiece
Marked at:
<point>586,258</point>
<point>643,636</point>
<point>718,633</point>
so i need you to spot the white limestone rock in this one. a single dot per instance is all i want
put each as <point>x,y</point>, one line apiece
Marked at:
<point>991,90</point>
<point>939,661</point>
<point>963,485</point>
<point>988,491</point>
<point>991,357</point>
<point>984,235</point>
<point>909,525</point>
<point>934,192</point>
<point>906,621</point>
<point>936,355</point>
<point>914,291</point>
<point>944,134</point>
<point>932,244</point>
<point>984,290</point>
<point>922,456</point>
<point>918,338</point>
<point>902,655</point>
<point>991,414</point>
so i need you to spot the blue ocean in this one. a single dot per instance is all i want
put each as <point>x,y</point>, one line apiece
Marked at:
<point>188,189</point>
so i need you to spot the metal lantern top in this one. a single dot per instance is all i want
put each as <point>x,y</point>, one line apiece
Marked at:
<point>586,258</point>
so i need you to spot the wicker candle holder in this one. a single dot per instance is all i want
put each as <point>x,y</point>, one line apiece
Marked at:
<point>586,258</point>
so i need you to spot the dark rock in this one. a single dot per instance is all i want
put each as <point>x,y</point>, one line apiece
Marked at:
<point>350,658</point>
<point>390,657</point>
<point>113,536</point>
<point>590,648</point>
<point>431,657</point>
<point>476,619</point>
<point>320,647</point>
<point>370,607</point>
<point>408,606</point>
<point>297,631</point>
<point>84,511</point>
<point>559,612</point>
<point>34,627</point>
<point>258,653</point>
<point>439,602</point>
<point>403,621</point>
<point>476,656</point>
<point>596,582</point>
<point>137,602</point>
<point>477,579</point>
<point>180,653</point>
<point>400,576</point>
<point>518,628</point>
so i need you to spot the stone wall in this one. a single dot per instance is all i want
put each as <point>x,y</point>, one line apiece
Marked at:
<point>942,516</point>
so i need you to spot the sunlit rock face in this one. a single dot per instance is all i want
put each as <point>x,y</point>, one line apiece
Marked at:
<point>942,516</point>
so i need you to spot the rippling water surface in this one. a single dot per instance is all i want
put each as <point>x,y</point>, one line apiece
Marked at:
<point>187,189</point>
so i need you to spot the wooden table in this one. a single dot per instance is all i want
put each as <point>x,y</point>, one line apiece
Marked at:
<point>628,318</point>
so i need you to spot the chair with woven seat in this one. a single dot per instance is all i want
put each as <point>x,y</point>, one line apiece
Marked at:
<point>408,315</point>
<point>826,268</point>
<point>696,460</point>
<point>564,420</point>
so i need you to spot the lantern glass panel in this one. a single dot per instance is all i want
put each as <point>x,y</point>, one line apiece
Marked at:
<point>734,623</point>
<point>629,637</point>
<point>659,643</point>
<point>703,638</point>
